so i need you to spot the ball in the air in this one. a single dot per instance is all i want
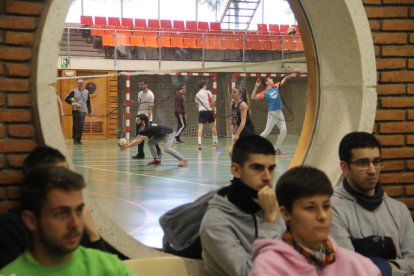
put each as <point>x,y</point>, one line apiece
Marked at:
<point>122,142</point>
<point>291,30</point>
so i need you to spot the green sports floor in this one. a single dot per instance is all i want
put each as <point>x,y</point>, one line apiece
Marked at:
<point>135,195</point>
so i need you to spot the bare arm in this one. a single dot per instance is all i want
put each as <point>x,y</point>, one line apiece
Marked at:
<point>136,141</point>
<point>243,114</point>
<point>254,93</point>
<point>291,75</point>
<point>150,107</point>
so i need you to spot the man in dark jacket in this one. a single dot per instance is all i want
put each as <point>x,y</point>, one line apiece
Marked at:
<point>80,101</point>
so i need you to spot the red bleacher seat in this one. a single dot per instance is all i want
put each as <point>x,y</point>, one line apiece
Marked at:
<point>100,20</point>
<point>108,40</point>
<point>127,22</point>
<point>125,30</point>
<point>262,28</point>
<point>252,42</point>
<point>140,23</point>
<point>86,20</point>
<point>178,25</point>
<point>137,39</point>
<point>190,42</point>
<point>212,42</point>
<point>151,41</point>
<point>274,28</point>
<point>283,28</point>
<point>202,26</point>
<point>166,24</point>
<point>97,30</point>
<point>153,24</point>
<point>114,21</point>
<point>191,25</point>
<point>215,26</point>
<point>276,42</point>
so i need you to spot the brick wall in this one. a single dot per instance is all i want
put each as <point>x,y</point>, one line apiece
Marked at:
<point>392,25</point>
<point>18,23</point>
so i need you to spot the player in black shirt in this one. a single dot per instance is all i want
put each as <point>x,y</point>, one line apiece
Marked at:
<point>156,134</point>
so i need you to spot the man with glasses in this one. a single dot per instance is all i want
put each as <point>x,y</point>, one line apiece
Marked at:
<point>79,99</point>
<point>366,219</point>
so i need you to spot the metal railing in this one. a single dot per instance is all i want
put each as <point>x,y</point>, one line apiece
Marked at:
<point>176,45</point>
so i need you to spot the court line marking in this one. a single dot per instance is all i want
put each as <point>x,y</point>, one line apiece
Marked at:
<point>153,176</point>
<point>148,213</point>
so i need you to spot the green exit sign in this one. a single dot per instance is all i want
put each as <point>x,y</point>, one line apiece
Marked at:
<point>64,63</point>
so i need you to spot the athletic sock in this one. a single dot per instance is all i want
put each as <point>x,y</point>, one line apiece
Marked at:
<point>199,140</point>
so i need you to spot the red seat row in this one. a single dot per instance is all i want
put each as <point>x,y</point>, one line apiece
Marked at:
<point>165,24</point>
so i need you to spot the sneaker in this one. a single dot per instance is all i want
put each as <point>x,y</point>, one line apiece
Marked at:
<point>216,145</point>
<point>183,163</point>
<point>155,162</point>
<point>200,147</point>
<point>279,152</point>
<point>138,156</point>
<point>179,142</point>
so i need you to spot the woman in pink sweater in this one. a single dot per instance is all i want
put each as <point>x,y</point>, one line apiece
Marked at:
<point>304,196</point>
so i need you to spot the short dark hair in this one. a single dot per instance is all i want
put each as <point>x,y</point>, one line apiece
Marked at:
<point>264,80</point>
<point>144,118</point>
<point>300,182</point>
<point>202,83</point>
<point>42,155</point>
<point>40,180</point>
<point>248,145</point>
<point>181,86</point>
<point>356,140</point>
<point>144,82</point>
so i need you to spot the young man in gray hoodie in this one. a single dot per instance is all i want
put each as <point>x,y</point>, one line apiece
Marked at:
<point>366,219</point>
<point>243,211</point>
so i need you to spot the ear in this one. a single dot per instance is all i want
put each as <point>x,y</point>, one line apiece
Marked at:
<point>285,214</point>
<point>29,218</point>
<point>235,170</point>
<point>344,167</point>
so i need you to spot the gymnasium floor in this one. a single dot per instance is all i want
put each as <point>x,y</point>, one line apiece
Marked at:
<point>135,195</point>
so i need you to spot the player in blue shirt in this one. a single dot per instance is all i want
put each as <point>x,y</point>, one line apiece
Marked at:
<point>275,115</point>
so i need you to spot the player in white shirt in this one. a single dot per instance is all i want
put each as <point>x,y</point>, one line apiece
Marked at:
<point>205,103</point>
<point>146,101</point>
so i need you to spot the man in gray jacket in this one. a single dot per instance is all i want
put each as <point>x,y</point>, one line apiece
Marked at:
<point>243,211</point>
<point>366,219</point>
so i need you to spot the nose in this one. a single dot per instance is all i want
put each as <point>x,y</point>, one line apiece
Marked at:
<point>75,219</point>
<point>322,214</point>
<point>371,168</point>
<point>267,175</point>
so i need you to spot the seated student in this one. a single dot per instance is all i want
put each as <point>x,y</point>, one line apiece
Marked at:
<point>304,196</point>
<point>14,235</point>
<point>52,204</point>
<point>243,211</point>
<point>365,218</point>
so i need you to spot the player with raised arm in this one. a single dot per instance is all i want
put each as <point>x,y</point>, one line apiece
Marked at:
<point>275,116</point>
